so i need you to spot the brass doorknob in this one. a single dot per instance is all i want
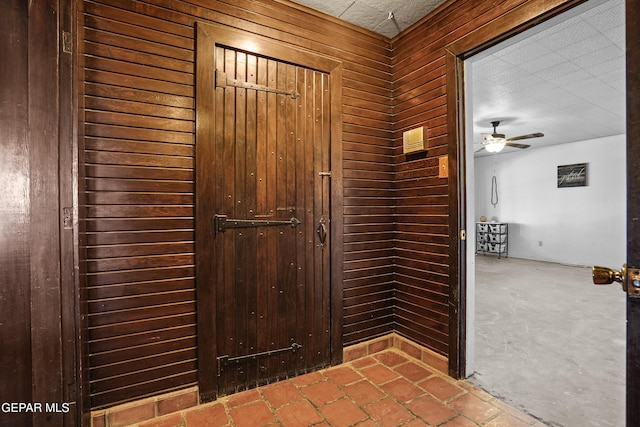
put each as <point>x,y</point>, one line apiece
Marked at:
<point>606,276</point>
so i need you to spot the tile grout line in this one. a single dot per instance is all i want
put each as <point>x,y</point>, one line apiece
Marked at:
<point>410,359</point>
<point>376,359</point>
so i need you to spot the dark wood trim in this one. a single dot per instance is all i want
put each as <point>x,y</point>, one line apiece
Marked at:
<point>633,207</point>
<point>337,217</point>
<point>209,35</point>
<point>205,85</point>
<point>45,211</point>
<point>457,248</point>
<point>516,21</point>
<point>519,19</point>
<point>82,386</point>
<point>69,235</point>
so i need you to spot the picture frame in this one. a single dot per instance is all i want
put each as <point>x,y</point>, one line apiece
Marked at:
<point>574,175</point>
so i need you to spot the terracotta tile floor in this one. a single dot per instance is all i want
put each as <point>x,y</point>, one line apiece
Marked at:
<point>385,390</point>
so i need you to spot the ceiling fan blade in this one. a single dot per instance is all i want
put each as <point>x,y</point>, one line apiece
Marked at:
<point>531,135</point>
<point>479,150</point>
<point>516,145</point>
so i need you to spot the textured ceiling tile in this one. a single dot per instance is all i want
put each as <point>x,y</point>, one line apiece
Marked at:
<point>617,37</point>
<point>524,52</point>
<point>412,11</point>
<point>365,15</point>
<point>385,6</point>
<point>606,16</point>
<point>568,80</point>
<point>558,70</point>
<point>607,54</point>
<point>606,68</point>
<point>493,69</point>
<point>542,62</point>
<point>568,35</point>
<point>557,25</point>
<point>616,78</point>
<point>583,47</point>
<point>389,27</point>
<point>373,14</point>
<point>333,7</point>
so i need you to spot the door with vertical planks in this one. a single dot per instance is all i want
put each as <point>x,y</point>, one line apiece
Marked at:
<point>271,244</point>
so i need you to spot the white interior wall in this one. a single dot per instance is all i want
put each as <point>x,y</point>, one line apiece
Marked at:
<point>578,225</point>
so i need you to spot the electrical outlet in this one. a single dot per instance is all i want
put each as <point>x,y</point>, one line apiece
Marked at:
<point>540,243</point>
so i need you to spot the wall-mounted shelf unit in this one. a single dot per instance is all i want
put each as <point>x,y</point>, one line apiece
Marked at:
<point>492,238</point>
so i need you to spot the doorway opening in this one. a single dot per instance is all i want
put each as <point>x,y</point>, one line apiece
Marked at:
<point>539,302</point>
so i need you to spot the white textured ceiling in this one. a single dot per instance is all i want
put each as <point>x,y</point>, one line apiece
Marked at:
<point>564,78</point>
<point>374,14</point>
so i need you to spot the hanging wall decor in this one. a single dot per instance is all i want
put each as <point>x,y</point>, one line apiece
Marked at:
<point>572,175</point>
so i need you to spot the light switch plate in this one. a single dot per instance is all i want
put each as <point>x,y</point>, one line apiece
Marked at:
<point>443,169</point>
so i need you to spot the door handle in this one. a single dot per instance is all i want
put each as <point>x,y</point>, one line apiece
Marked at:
<point>322,231</point>
<point>606,276</point>
<point>628,277</point>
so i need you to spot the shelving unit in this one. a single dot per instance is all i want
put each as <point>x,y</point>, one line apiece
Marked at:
<point>492,238</point>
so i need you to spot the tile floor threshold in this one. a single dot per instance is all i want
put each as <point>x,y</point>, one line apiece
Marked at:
<point>387,389</point>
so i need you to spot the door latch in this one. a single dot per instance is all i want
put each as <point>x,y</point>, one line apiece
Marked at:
<point>322,231</point>
<point>633,282</point>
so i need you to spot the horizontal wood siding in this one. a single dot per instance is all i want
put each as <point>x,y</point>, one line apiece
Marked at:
<point>368,209</point>
<point>138,85</point>
<point>423,246</point>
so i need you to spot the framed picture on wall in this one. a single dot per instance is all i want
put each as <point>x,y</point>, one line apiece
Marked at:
<point>572,175</point>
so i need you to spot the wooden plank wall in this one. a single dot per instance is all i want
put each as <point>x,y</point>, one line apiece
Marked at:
<point>138,106</point>
<point>425,259</point>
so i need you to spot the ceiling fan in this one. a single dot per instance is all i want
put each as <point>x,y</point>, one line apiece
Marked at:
<point>495,142</point>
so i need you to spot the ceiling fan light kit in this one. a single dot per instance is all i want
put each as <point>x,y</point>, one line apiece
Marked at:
<point>495,145</point>
<point>495,142</point>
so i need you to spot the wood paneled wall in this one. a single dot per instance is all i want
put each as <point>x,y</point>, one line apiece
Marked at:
<point>138,106</point>
<point>427,245</point>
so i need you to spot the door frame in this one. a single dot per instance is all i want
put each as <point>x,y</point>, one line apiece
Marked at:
<point>208,35</point>
<point>503,27</point>
<point>632,13</point>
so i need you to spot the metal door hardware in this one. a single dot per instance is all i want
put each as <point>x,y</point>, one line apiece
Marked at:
<point>322,231</point>
<point>67,42</point>
<point>221,223</point>
<point>224,361</point>
<point>628,277</point>
<point>222,81</point>
<point>633,282</point>
<point>67,218</point>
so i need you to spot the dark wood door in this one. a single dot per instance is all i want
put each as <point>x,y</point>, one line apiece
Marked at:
<point>271,219</point>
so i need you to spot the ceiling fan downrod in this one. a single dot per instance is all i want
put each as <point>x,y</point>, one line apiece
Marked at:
<point>495,131</point>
